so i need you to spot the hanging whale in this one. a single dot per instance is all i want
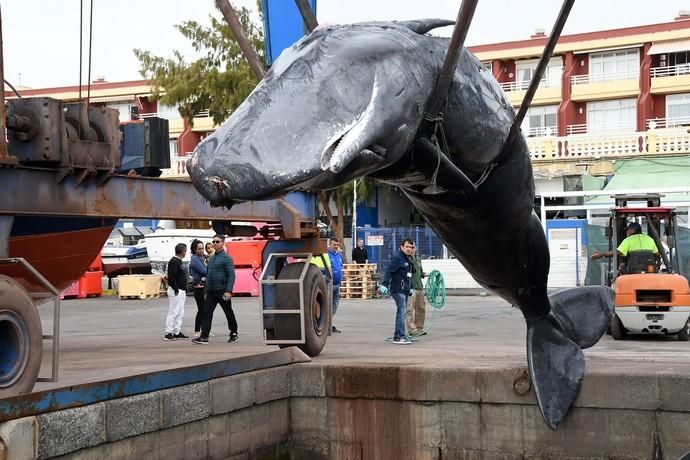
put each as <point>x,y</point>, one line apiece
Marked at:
<point>349,101</point>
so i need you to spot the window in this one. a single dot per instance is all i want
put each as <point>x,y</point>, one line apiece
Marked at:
<point>487,66</point>
<point>124,107</point>
<point>524,71</point>
<point>541,121</point>
<point>168,111</point>
<point>616,115</point>
<point>173,148</point>
<point>677,110</point>
<point>614,65</point>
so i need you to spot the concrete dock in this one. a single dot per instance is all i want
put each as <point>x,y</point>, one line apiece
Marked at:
<point>105,338</point>
<point>462,392</point>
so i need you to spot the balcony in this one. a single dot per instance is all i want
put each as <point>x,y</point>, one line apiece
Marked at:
<point>602,128</point>
<point>548,92</point>
<point>540,131</point>
<point>671,122</point>
<point>612,85</point>
<point>178,167</point>
<point>202,121</point>
<point>609,145</point>
<point>670,79</point>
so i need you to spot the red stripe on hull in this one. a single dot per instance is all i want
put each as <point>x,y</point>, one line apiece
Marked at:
<point>60,257</point>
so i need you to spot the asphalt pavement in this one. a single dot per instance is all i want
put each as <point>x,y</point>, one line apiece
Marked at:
<point>105,338</point>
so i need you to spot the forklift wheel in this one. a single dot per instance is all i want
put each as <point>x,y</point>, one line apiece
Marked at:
<point>617,330</point>
<point>684,333</point>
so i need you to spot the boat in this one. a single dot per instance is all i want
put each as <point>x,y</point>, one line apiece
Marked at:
<point>59,248</point>
<point>125,259</point>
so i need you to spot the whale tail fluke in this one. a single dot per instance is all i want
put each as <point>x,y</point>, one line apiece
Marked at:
<point>556,366</point>
<point>583,313</point>
<point>578,319</point>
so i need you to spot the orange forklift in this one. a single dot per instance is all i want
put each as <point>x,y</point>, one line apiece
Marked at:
<point>652,297</point>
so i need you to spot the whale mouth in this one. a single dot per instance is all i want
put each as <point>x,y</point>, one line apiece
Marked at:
<point>346,146</point>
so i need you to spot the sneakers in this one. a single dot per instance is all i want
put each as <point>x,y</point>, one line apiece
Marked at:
<point>180,335</point>
<point>200,341</point>
<point>335,330</point>
<point>169,336</point>
<point>233,337</point>
<point>402,341</point>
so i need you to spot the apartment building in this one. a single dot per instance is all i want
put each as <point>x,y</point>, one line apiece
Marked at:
<point>610,103</point>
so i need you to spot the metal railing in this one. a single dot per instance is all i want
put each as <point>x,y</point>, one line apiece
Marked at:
<point>596,128</point>
<point>522,85</point>
<point>173,114</point>
<point>541,131</point>
<point>604,77</point>
<point>670,70</point>
<point>669,122</point>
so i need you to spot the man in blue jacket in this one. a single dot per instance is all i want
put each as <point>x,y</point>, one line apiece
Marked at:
<point>220,279</point>
<point>397,281</point>
<point>336,259</point>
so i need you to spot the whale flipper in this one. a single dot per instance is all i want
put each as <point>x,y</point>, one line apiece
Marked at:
<point>556,366</point>
<point>584,313</point>
<point>435,164</point>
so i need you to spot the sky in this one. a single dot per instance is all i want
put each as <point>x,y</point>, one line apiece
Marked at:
<point>41,37</point>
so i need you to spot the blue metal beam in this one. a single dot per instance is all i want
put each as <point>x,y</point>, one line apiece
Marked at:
<point>91,393</point>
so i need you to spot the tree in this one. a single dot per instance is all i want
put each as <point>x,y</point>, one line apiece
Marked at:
<point>218,81</point>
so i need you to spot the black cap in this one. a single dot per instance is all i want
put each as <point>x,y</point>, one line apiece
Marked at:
<point>634,226</point>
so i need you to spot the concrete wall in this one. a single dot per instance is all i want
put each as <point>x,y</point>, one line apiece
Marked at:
<point>368,412</point>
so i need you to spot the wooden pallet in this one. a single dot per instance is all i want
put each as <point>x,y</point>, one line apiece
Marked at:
<point>359,268</point>
<point>139,297</point>
<point>360,295</point>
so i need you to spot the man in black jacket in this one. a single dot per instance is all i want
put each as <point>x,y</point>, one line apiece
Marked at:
<point>177,294</point>
<point>359,254</point>
<point>220,279</point>
<point>396,281</point>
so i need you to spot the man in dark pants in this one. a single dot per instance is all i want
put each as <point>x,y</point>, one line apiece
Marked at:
<point>220,278</point>
<point>397,282</point>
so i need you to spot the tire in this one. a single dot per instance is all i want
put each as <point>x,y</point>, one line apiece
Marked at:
<point>317,317</point>
<point>21,339</point>
<point>684,333</point>
<point>618,332</point>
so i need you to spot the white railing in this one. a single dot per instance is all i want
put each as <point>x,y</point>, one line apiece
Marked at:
<point>603,77</point>
<point>178,166</point>
<point>169,115</point>
<point>670,122</point>
<point>173,115</point>
<point>597,128</point>
<point>523,85</point>
<point>670,71</point>
<point>611,145</point>
<point>541,131</point>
